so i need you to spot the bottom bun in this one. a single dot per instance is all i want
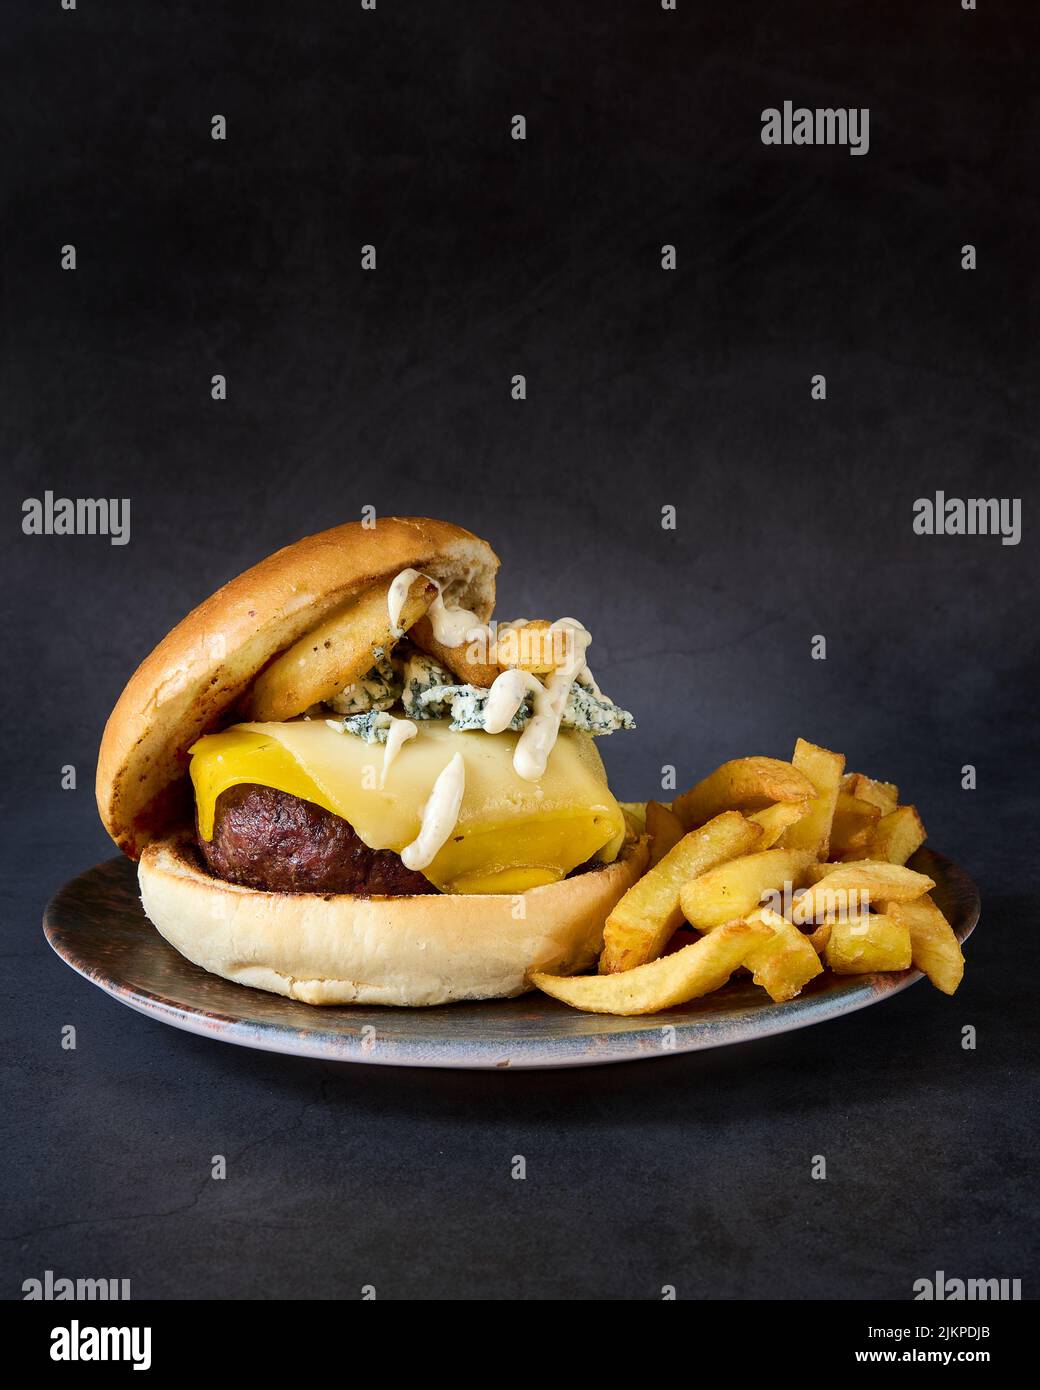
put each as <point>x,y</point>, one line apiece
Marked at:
<point>341,949</point>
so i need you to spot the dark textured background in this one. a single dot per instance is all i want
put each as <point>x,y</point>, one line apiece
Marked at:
<point>644,388</point>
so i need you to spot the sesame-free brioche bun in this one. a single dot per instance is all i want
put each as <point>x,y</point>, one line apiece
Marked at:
<point>197,673</point>
<point>407,951</point>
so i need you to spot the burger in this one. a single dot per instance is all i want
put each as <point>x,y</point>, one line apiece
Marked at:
<point>345,783</point>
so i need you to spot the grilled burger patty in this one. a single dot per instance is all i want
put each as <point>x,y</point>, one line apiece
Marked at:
<point>274,842</point>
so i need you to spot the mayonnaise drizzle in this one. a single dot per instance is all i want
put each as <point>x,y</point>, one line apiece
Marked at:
<point>398,734</point>
<point>510,689</point>
<point>395,598</point>
<point>451,626</point>
<point>439,816</point>
<point>508,692</point>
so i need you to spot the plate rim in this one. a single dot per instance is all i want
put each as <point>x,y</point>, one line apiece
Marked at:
<point>517,1054</point>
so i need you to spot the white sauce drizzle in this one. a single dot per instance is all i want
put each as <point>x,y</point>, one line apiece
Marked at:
<point>451,626</point>
<point>439,816</point>
<point>398,734</point>
<point>543,728</point>
<point>505,697</point>
<point>395,598</point>
<point>454,626</point>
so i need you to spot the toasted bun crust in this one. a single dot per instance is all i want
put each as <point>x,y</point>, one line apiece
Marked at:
<point>431,949</point>
<point>197,673</point>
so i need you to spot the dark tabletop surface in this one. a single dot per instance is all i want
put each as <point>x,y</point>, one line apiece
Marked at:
<point>646,389</point>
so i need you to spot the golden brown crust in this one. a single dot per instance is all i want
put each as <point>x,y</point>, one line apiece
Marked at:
<point>196,674</point>
<point>412,951</point>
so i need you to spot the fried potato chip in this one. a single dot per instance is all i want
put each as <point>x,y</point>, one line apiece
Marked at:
<point>787,962</point>
<point>820,937</point>
<point>848,889</point>
<point>742,783</point>
<point>687,974</point>
<point>854,819</point>
<point>933,944</point>
<point>536,646</point>
<point>864,945</point>
<point>468,661</point>
<point>664,828</point>
<point>336,653</point>
<point>815,872</point>
<point>823,769</point>
<point>735,888</point>
<point>896,836</point>
<point>883,795</point>
<point>639,927</point>
<point>775,819</point>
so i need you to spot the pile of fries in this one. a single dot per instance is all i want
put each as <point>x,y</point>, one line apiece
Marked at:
<point>783,869</point>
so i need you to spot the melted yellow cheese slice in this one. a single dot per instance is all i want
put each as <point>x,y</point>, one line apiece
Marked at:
<point>511,835</point>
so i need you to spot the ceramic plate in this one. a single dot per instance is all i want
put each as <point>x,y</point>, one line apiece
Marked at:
<point>97,926</point>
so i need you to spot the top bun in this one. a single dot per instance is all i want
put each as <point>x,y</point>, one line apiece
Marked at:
<point>197,673</point>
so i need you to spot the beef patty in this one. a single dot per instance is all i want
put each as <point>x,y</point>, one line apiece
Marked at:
<point>277,843</point>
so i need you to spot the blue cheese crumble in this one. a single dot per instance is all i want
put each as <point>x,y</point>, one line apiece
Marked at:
<point>426,690</point>
<point>372,727</point>
<point>379,689</point>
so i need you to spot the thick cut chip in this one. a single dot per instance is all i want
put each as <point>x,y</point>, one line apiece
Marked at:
<point>536,646</point>
<point>820,937</point>
<point>895,837</point>
<point>815,872</point>
<point>933,944</point>
<point>883,795</point>
<point>642,923</point>
<point>742,783</point>
<point>687,974</point>
<point>787,962</point>
<point>468,661</point>
<point>823,769</point>
<point>849,889</point>
<point>735,889</point>
<point>863,945</point>
<point>664,828</point>
<point>854,819</point>
<point>335,654</point>
<point>775,819</point>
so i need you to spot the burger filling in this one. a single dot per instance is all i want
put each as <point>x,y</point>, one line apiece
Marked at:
<point>505,835</point>
<point>414,779</point>
<point>278,843</point>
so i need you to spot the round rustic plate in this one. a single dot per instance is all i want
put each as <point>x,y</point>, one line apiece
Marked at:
<point>97,926</point>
